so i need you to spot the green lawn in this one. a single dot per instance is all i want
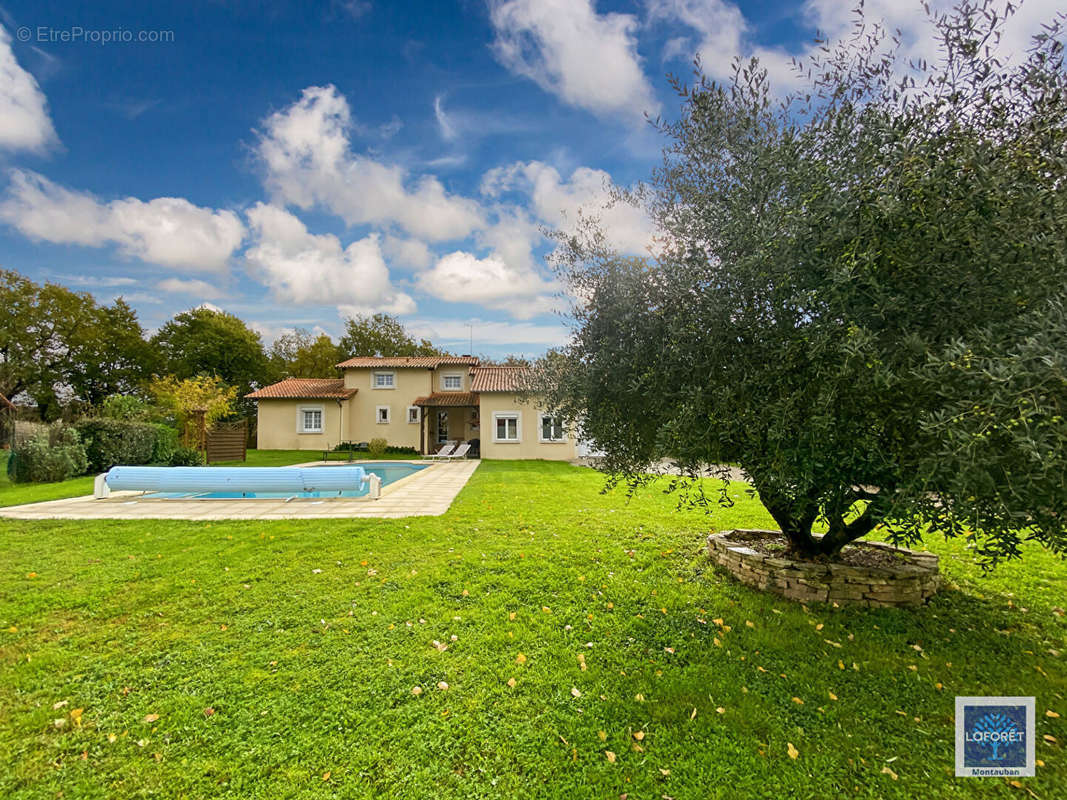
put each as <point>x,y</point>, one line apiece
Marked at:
<point>278,660</point>
<point>12,494</point>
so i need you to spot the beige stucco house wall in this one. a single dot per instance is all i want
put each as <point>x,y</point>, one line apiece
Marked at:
<point>530,444</point>
<point>279,424</point>
<point>404,400</point>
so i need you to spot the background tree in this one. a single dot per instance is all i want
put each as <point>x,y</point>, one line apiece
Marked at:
<point>301,354</point>
<point>60,346</point>
<point>858,296</point>
<point>207,342</point>
<point>382,335</point>
<point>179,398</point>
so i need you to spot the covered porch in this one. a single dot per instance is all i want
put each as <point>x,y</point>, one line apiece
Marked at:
<point>448,417</point>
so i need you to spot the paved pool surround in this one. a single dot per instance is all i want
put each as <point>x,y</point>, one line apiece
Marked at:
<point>910,583</point>
<point>428,492</point>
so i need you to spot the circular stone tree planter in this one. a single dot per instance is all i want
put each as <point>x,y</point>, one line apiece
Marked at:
<point>867,574</point>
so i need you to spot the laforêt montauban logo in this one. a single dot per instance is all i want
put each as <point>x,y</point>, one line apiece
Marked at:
<point>994,736</point>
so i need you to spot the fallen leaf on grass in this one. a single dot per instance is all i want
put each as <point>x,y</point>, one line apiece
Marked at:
<point>112,738</point>
<point>664,772</point>
<point>1052,714</point>
<point>1049,739</point>
<point>798,701</point>
<point>520,659</point>
<point>76,716</point>
<point>511,682</point>
<point>575,692</point>
<point>151,718</point>
<point>889,772</point>
<point>610,756</point>
<point>416,690</point>
<point>326,775</point>
<point>59,705</point>
<point>209,712</point>
<point>793,752</point>
<point>720,710</point>
<point>442,686</point>
<point>639,735</point>
<point>832,695</point>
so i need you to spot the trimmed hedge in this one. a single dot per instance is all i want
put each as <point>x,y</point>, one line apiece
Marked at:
<point>165,445</point>
<point>53,455</point>
<point>109,442</point>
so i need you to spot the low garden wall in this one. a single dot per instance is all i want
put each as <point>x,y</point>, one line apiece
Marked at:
<point>897,577</point>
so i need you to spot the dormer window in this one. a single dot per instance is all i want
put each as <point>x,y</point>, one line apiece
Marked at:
<point>452,382</point>
<point>384,380</point>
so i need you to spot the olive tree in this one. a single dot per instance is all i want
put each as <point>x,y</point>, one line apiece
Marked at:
<point>856,295</point>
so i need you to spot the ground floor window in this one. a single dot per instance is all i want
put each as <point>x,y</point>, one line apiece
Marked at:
<point>505,427</point>
<point>413,415</point>
<point>551,428</point>
<point>309,420</point>
<point>442,427</point>
<point>383,415</point>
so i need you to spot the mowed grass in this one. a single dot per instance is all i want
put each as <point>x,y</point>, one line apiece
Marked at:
<point>278,660</point>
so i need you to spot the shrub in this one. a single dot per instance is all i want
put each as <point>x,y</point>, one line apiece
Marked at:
<point>110,441</point>
<point>377,447</point>
<point>186,457</point>
<point>165,443</point>
<point>125,406</point>
<point>53,455</point>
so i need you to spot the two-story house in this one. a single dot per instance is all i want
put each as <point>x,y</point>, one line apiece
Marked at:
<point>419,402</point>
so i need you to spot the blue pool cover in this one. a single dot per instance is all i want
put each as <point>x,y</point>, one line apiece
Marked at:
<point>235,479</point>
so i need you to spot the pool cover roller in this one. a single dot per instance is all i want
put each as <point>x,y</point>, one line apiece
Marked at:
<point>236,479</point>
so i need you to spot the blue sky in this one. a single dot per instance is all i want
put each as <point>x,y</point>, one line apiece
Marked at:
<point>295,162</point>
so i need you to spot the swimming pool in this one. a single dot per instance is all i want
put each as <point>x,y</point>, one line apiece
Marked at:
<point>389,472</point>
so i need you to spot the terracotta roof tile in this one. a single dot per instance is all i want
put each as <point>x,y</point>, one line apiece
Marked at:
<point>304,389</point>
<point>430,362</point>
<point>497,379</point>
<point>447,399</point>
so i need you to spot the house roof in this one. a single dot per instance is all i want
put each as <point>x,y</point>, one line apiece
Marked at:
<point>447,399</point>
<point>6,404</point>
<point>430,362</point>
<point>497,379</point>
<point>304,389</point>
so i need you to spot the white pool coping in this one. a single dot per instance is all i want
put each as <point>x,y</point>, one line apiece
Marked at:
<point>428,492</point>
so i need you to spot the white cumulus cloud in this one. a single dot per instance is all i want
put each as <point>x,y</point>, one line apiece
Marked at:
<point>559,202</point>
<point>722,32</point>
<point>461,277</point>
<point>24,120</point>
<point>303,268</point>
<point>588,60</point>
<point>190,286</point>
<point>306,154</point>
<point>168,231</point>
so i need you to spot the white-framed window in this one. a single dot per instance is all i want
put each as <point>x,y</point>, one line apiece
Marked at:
<point>310,419</point>
<point>414,415</point>
<point>452,382</point>
<point>506,427</point>
<point>550,428</point>
<point>382,415</point>
<point>383,380</point>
